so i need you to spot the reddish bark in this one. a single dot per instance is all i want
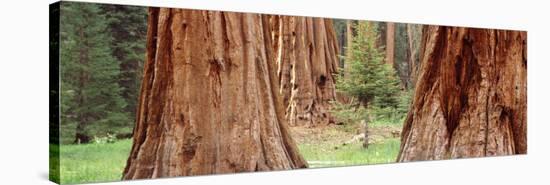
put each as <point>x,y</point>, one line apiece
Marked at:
<point>471,95</point>
<point>390,43</point>
<point>209,101</point>
<point>307,60</point>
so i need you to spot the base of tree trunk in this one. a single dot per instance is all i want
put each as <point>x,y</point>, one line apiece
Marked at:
<point>471,95</point>
<point>209,102</point>
<point>307,60</point>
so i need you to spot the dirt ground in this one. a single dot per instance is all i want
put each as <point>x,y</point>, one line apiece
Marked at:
<point>339,134</point>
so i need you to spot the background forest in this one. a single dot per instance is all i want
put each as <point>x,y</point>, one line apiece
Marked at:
<point>102,55</point>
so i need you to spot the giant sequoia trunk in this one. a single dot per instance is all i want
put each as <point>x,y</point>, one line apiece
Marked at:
<point>209,102</point>
<point>307,60</point>
<point>471,95</point>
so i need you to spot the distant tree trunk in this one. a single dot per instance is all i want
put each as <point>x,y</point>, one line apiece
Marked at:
<point>390,43</point>
<point>411,52</point>
<point>349,43</point>
<point>413,35</point>
<point>340,96</point>
<point>471,95</point>
<point>307,60</point>
<point>208,102</point>
<point>366,139</point>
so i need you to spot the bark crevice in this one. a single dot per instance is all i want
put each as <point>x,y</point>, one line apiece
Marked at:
<point>470,96</point>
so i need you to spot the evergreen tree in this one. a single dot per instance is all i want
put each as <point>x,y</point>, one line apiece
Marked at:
<point>128,28</point>
<point>90,94</point>
<point>371,81</point>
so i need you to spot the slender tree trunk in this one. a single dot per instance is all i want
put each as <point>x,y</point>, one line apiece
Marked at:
<point>414,33</point>
<point>208,102</point>
<point>342,97</point>
<point>349,43</point>
<point>411,55</point>
<point>366,139</point>
<point>471,95</point>
<point>412,50</point>
<point>307,60</point>
<point>390,43</point>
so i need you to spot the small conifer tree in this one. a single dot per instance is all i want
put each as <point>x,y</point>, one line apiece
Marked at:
<point>370,81</point>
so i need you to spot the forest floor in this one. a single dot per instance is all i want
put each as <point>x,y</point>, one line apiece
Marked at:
<point>321,146</point>
<point>342,145</point>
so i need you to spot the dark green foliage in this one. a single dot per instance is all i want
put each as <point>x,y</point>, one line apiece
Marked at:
<point>91,102</point>
<point>393,114</point>
<point>128,27</point>
<point>54,73</point>
<point>370,80</point>
<point>405,100</point>
<point>102,54</point>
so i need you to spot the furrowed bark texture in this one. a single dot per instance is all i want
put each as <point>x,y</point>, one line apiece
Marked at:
<point>307,60</point>
<point>471,95</point>
<point>209,102</point>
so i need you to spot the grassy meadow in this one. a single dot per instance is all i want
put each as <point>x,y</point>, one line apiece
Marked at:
<point>95,162</point>
<point>352,154</point>
<point>321,147</point>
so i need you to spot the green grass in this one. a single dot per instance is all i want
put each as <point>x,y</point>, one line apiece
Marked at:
<point>384,122</point>
<point>351,154</point>
<point>93,162</point>
<point>105,162</point>
<point>54,163</point>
